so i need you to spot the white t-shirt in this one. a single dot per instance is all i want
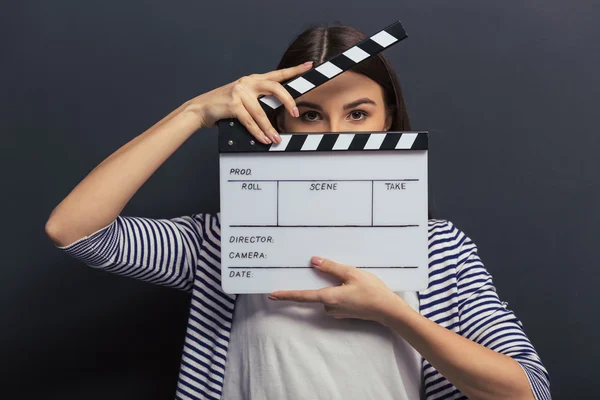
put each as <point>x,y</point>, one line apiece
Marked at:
<point>287,350</point>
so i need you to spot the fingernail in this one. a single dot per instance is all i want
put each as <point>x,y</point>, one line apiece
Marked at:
<point>316,260</point>
<point>306,64</point>
<point>295,112</point>
<point>273,297</point>
<point>267,140</point>
<point>277,138</point>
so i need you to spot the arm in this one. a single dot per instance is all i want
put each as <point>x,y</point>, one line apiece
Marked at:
<point>97,200</point>
<point>87,224</point>
<point>160,251</point>
<point>491,357</point>
<point>477,371</point>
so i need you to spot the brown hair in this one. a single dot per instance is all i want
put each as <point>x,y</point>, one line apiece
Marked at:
<point>320,43</point>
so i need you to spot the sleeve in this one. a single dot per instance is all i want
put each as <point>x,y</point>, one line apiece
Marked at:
<point>487,320</point>
<point>160,251</point>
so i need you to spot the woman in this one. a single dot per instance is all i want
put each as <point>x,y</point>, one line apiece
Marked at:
<point>454,339</point>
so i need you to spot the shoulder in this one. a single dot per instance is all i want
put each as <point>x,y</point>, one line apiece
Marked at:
<point>202,223</point>
<point>202,218</point>
<point>447,241</point>
<point>441,229</point>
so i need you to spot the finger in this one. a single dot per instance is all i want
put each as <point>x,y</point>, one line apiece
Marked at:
<point>331,267</point>
<point>246,119</point>
<point>260,117</point>
<point>275,88</point>
<point>304,296</point>
<point>284,74</point>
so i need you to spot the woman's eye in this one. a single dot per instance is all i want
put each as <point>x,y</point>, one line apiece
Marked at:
<point>358,115</point>
<point>311,115</point>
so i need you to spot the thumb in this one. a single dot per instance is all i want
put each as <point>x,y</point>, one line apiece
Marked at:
<point>331,267</point>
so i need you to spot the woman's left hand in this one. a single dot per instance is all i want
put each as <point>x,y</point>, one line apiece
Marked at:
<point>361,295</point>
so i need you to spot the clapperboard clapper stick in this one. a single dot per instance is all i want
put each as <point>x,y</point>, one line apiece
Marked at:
<point>357,198</point>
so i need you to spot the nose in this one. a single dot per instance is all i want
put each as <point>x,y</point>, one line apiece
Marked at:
<point>335,126</point>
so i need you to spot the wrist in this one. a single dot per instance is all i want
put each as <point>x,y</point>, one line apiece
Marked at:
<point>195,109</point>
<point>394,310</point>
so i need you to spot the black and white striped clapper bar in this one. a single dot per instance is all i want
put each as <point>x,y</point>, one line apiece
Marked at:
<point>356,198</point>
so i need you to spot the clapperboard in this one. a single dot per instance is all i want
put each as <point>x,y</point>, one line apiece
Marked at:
<point>356,198</point>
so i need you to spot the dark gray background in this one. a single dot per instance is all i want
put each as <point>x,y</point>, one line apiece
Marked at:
<point>508,89</point>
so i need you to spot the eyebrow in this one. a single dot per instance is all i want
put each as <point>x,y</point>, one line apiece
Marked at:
<point>364,100</point>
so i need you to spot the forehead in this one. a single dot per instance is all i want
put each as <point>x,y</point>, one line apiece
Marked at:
<point>346,87</point>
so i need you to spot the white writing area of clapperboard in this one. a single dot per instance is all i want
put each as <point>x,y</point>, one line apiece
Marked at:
<point>356,198</point>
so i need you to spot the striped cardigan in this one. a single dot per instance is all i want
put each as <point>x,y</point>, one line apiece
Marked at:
<point>184,253</point>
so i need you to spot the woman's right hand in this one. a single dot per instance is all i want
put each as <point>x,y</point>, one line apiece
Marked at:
<point>239,99</point>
